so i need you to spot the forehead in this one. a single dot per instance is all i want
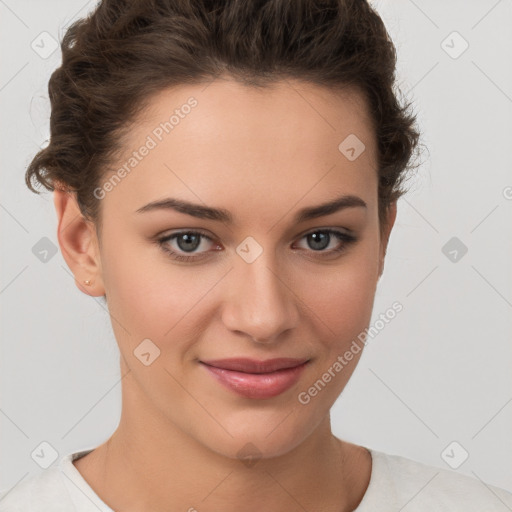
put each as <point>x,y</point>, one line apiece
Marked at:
<point>225,142</point>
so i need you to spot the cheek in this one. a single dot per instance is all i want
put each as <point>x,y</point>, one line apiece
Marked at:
<point>340,301</point>
<point>146,297</point>
<point>340,310</point>
<point>152,298</point>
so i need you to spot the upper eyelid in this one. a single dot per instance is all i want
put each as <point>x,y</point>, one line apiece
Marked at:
<point>183,232</point>
<point>304,233</point>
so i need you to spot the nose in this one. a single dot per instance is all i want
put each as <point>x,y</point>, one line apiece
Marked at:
<point>261,302</point>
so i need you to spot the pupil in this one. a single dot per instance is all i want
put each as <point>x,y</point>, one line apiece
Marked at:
<point>191,242</point>
<point>319,240</point>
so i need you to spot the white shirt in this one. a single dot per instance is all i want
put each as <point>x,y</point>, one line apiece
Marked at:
<point>396,484</point>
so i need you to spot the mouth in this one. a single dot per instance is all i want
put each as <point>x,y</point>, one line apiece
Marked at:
<point>256,379</point>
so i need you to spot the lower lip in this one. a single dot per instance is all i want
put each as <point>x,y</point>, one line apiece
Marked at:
<point>257,385</point>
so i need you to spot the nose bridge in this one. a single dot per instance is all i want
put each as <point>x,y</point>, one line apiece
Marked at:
<point>261,304</point>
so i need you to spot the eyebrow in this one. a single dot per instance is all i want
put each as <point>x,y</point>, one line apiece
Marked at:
<point>222,215</point>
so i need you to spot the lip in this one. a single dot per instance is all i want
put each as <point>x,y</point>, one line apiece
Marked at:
<point>246,365</point>
<point>256,379</point>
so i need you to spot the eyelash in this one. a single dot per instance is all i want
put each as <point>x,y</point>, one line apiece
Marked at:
<point>340,235</point>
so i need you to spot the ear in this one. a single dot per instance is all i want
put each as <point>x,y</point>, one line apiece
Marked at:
<point>386,231</point>
<point>78,243</point>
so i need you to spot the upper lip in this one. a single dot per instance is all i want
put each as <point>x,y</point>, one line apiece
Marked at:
<point>247,365</point>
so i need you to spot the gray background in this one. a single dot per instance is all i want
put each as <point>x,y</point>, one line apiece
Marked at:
<point>439,372</point>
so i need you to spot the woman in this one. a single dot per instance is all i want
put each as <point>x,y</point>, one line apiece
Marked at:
<point>225,176</point>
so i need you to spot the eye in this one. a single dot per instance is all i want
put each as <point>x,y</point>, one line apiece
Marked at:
<point>321,239</point>
<point>187,243</point>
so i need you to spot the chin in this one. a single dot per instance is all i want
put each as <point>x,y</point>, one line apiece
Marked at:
<point>263,439</point>
<point>251,448</point>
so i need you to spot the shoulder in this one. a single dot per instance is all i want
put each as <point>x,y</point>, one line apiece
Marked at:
<point>59,488</point>
<point>420,487</point>
<point>38,493</point>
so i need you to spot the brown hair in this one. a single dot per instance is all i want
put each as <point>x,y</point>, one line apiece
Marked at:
<point>116,58</point>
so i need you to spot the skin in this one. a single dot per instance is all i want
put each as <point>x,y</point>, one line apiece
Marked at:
<point>262,155</point>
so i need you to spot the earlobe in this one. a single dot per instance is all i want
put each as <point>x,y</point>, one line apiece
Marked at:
<point>390,221</point>
<point>78,243</point>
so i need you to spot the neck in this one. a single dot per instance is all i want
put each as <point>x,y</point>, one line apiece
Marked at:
<point>150,464</point>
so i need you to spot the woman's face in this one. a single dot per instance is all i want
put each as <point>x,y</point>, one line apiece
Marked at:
<point>256,286</point>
